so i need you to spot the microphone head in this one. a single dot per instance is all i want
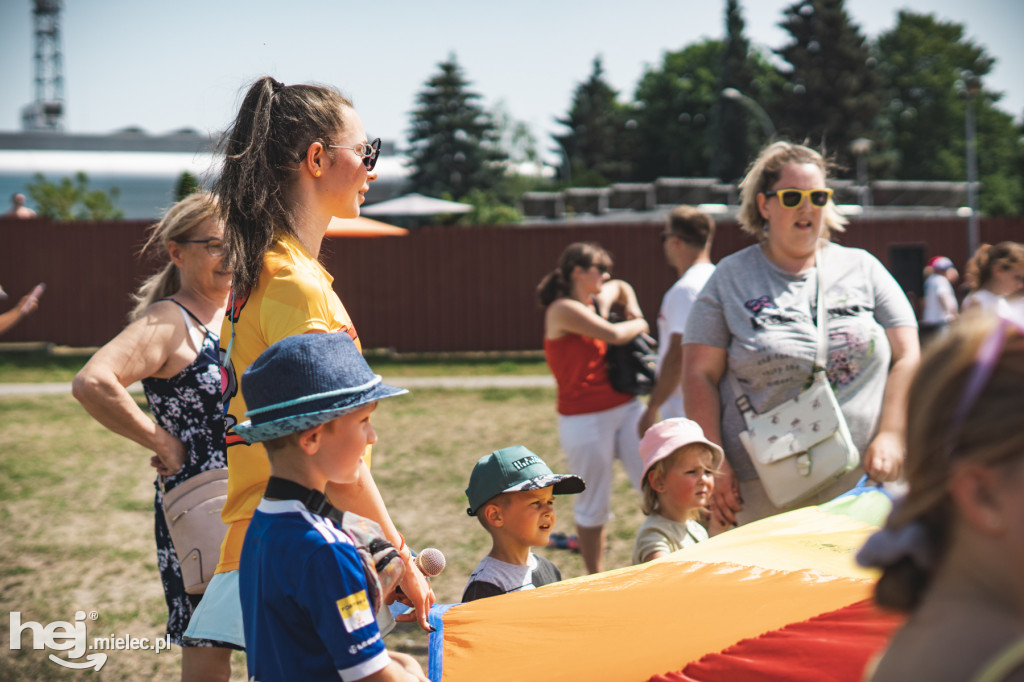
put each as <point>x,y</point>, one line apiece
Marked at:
<point>431,562</point>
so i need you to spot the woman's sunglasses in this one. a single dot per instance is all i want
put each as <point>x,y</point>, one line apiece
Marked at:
<point>792,198</point>
<point>367,151</point>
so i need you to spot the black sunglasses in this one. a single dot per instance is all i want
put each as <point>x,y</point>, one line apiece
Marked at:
<point>792,198</point>
<point>213,246</point>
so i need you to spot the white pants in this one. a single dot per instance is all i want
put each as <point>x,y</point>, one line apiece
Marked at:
<point>591,443</point>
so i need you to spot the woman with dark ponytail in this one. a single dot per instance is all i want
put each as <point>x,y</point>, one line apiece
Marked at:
<point>952,551</point>
<point>295,157</point>
<point>596,423</point>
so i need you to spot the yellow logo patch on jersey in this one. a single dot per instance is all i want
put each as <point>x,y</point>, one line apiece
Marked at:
<point>355,611</point>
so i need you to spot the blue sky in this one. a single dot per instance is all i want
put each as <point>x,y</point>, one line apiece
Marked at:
<point>168,65</point>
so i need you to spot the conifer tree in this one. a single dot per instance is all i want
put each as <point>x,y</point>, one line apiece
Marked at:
<point>453,138</point>
<point>833,93</point>
<point>596,144</point>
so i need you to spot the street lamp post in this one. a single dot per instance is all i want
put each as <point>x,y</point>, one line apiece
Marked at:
<point>751,103</point>
<point>971,89</point>
<point>860,149</point>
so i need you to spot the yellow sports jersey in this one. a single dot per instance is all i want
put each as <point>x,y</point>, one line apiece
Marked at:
<point>293,296</point>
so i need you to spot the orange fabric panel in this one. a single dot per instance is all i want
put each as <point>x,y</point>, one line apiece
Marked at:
<point>632,623</point>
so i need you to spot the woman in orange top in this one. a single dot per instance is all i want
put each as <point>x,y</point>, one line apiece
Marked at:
<point>596,423</point>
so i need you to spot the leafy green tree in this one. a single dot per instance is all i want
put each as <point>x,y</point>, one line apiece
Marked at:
<point>675,103</point>
<point>69,200</point>
<point>833,94</point>
<point>926,66</point>
<point>187,184</point>
<point>596,144</point>
<point>454,142</point>
<point>488,210</point>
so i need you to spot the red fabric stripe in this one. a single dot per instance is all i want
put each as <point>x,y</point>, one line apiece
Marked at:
<point>834,647</point>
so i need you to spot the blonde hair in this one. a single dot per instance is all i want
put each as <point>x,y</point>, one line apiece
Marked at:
<point>988,257</point>
<point>650,504</point>
<point>765,171</point>
<point>989,434</point>
<point>178,224</point>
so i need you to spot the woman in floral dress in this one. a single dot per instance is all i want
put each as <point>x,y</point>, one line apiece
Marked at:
<point>171,346</point>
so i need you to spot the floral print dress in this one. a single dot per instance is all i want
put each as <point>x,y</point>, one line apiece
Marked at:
<point>188,406</point>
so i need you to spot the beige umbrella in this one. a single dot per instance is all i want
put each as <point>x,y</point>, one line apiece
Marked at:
<point>416,205</point>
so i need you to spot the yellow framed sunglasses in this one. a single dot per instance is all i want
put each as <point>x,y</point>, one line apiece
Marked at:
<point>792,198</point>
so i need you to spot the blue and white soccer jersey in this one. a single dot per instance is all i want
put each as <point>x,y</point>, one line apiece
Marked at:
<point>305,606</point>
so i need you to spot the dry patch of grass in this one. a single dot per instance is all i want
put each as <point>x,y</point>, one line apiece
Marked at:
<point>76,515</point>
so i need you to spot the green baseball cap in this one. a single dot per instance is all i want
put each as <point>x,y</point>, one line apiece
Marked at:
<point>512,469</point>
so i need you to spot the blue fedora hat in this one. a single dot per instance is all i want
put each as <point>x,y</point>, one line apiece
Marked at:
<point>306,380</point>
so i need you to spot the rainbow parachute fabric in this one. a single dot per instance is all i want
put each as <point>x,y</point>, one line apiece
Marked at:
<point>779,599</point>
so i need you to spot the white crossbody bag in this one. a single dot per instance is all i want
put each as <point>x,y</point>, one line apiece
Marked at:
<point>803,445</point>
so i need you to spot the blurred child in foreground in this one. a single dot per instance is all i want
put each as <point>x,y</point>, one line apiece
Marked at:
<point>952,551</point>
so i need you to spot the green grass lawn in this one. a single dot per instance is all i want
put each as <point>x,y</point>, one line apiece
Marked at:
<point>76,517</point>
<point>60,365</point>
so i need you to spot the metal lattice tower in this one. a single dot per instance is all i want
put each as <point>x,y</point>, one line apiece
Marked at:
<point>47,111</point>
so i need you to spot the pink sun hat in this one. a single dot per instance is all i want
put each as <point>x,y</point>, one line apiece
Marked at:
<point>668,435</point>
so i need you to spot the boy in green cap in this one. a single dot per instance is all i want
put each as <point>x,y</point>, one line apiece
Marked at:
<point>511,491</point>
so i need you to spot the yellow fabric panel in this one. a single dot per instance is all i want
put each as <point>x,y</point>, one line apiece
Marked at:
<point>803,539</point>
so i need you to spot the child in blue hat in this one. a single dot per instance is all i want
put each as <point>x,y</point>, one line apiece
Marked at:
<point>511,491</point>
<point>311,578</point>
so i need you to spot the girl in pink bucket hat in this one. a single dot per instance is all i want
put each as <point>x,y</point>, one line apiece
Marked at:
<point>679,468</point>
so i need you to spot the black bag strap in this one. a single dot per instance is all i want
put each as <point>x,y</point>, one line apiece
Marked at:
<point>314,500</point>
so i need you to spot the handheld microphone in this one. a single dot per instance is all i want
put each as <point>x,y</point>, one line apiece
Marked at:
<point>430,562</point>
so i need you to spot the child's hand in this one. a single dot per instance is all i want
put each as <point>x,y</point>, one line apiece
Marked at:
<point>416,592</point>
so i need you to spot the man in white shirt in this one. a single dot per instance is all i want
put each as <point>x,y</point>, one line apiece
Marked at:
<point>687,243</point>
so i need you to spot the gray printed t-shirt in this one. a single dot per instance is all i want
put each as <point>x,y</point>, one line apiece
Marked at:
<point>764,317</point>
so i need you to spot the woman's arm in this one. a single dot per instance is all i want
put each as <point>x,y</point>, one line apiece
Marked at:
<point>619,292</point>
<point>363,498</point>
<point>141,350</point>
<point>569,316</point>
<point>883,460</point>
<point>26,305</point>
<point>703,367</point>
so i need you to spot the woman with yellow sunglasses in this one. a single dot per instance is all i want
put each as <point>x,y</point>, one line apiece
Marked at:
<point>756,320</point>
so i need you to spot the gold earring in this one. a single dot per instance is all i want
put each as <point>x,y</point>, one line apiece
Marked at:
<point>316,173</point>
